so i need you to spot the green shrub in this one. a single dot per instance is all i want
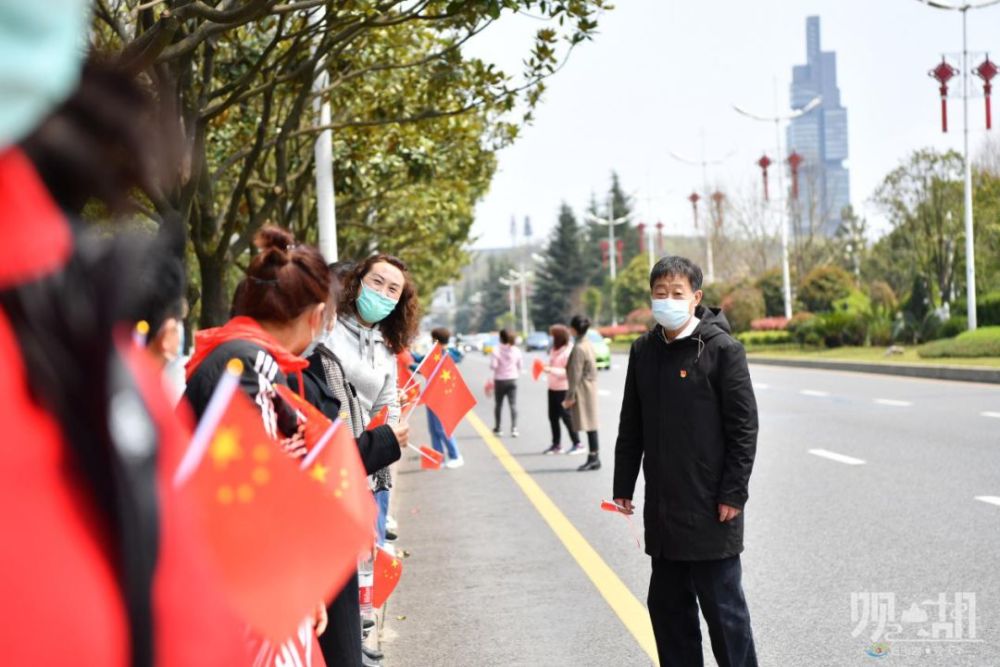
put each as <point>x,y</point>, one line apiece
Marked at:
<point>879,330</point>
<point>839,328</point>
<point>882,297</point>
<point>856,303</point>
<point>628,338</point>
<point>742,307</point>
<point>823,286</point>
<point>756,339</point>
<point>988,309</point>
<point>984,342</point>
<point>770,285</point>
<point>954,326</point>
<point>805,329</point>
<point>714,293</point>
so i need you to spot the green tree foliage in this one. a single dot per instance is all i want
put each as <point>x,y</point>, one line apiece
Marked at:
<point>593,302</point>
<point>561,274</point>
<point>771,286</point>
<point>416,122</point>
<point>632,286</point>
<point>495,297</point>
<point>620,206</point>
<point>923,199</point>
<point>742,306</point>
<point>823,286</point>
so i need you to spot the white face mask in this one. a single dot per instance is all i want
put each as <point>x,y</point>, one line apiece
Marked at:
<point>671,314</point>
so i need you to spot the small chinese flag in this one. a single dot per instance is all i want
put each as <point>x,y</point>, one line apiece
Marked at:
<point>302,649</point>
<point>536,369</point>
<point>430,459</point>
<point>447,395</point>
<point>279,544</point>
<point>314,422</point>
<point>380,418</point>
<point>609,506</point>
<point>335,464</point>
<point>403,375</point>
<point>387,570</point>
<point>409,396</point>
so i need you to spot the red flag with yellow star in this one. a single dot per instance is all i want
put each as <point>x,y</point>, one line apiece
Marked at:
<point>447,395</point>
<point>335,464</point>
<point>279,543</point>
<point>387,571</point>
<point>313,421</point>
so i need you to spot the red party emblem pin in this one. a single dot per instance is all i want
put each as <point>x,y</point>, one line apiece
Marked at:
<point>684,373</point>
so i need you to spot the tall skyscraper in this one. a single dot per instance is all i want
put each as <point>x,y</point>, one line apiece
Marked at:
<point>820,137</point>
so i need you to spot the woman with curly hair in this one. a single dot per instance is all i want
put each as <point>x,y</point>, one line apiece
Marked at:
<point>378,316</point>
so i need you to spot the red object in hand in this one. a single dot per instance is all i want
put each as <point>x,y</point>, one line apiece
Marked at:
<point>430,460</point>
<point>388,569</point>
<point>259,520</point>
<point>379,419</point>
<point>609,506</point>
<point>537,368</point>
<point>315,423</point>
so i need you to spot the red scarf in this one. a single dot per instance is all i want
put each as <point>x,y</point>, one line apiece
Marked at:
<point>243,328</point>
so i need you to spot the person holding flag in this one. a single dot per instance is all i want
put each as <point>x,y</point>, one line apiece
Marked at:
<point>279,312</point>
<point>440,440</point>
<point>558,386</point>
<point>378,316</point>
<point>327,388</point>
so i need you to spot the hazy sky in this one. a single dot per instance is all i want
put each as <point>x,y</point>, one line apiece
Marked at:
<point>660,71</point>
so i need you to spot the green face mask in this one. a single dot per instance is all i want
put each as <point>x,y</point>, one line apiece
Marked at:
<point>372,306</point>
<point>42,45</point>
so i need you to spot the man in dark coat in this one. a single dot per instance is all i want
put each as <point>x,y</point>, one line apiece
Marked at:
<point>689,417</point>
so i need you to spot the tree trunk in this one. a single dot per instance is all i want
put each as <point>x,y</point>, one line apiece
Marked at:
<point>215,302</point>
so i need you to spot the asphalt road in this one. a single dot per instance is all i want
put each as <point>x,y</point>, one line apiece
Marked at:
<point>885,511</point>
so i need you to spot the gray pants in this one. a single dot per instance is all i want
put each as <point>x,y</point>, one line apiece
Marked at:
<point>505,389</point>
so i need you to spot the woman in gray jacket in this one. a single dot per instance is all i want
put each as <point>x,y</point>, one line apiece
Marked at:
<point>378,316</point>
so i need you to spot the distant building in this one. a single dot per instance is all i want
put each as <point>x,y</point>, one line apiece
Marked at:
<point>820,137</point>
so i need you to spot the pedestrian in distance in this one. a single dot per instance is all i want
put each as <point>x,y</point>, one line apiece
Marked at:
<point>581,392</point>
<point>441,441</point>
<point>689,418</point>
<point>506,366</point>
<point>555,371</point>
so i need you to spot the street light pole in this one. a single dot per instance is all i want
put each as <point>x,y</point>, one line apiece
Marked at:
<point>970,248</point>
<point>326,211</point>
<point>611,222</point>
<point>786,274</point>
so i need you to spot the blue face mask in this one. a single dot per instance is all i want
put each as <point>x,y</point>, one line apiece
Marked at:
<point>671,314</point>
<point>374,307</point>
<point>41,47</point>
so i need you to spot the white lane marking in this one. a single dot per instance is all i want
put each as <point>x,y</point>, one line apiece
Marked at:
<point>834,456</point>
<point>603,392</point>
<point>995,415</point>
<point>893,402</point>
<point>992,500</point>
<point>813,392</point>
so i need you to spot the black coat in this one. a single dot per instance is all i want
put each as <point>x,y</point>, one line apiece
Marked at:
<point>690,418</point>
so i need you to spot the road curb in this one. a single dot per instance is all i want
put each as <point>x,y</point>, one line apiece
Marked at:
<point>954,373</point>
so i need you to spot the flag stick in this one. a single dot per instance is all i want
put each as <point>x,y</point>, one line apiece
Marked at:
<point>216,408</point>
<point>416,371</point>
<point>315,451</point>
<point>426,456</point>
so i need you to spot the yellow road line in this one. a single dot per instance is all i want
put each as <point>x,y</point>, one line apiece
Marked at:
<point>630,611</point>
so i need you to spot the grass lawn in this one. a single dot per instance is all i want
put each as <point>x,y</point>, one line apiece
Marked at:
<point>876,355</point>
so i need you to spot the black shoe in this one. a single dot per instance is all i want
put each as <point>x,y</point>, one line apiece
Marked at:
<point>593,463</point>
<point>367,623</point>
<point>368,662</point>
<point>372,653</point>
<point>390,536</point>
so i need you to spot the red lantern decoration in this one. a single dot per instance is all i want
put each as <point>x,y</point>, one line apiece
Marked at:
<point>764,162</point>
<point>693,198</point>
<point>717,199</point>
<point>794,162</point>
<point>659,238</point>
<point>943,73</point>
<point>986,71</point>
<point>642,235</point>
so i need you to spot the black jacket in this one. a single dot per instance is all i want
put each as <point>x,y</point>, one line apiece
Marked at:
<point>378,447</point>
<point>690,418</point>
<point>260,374</point>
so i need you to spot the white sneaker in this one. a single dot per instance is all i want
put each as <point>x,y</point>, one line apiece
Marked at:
<point>390,523</point>
<point>514,433</point>
<point>455,463</point>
